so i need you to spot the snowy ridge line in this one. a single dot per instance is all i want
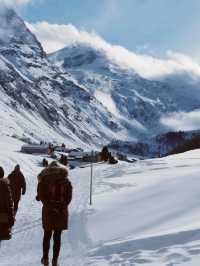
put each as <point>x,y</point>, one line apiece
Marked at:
<point>28,226</point>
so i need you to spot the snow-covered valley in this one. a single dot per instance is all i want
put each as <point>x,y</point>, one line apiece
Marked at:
<point>144,213</point>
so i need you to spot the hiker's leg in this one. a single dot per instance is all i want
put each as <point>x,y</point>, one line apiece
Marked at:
<point>46,243</point>
<point>5,232</point>
<point>56,245</point>
<point>16,204</point>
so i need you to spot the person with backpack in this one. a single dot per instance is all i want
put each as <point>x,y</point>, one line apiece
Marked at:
<point>55,192</point>
<point>7,217</point>
<point>18,186</point>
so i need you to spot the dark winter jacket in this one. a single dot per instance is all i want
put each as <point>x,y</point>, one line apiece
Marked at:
<point>54,213</point>
<point>18,185</point>
<point>6,204</point>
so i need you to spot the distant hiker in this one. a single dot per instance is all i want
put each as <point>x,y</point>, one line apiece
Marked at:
<point>51,149</point>
<point>63,159</point>
<point>63,147</point>
<point>45,162</point>
<point>7,217</point>
<point>55,192</point>
<point>18,185</point>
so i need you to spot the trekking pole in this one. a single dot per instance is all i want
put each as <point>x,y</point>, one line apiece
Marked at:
<point>91,178</point>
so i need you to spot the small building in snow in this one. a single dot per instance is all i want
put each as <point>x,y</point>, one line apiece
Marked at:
<point>35,149</point>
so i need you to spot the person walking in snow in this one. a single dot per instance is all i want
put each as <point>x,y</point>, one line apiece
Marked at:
<point>45,162</point>
<point>18,186</point>
<point>63,159</point>
<point>7,217</point>
<point>55,192</point>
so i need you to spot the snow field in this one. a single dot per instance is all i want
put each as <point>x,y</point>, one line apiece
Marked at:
<point>145,213</point>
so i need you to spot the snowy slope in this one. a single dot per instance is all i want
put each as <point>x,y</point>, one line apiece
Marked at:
<point>145,213</point>
<point>136,101</point>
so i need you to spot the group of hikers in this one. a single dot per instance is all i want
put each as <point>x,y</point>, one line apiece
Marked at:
<point>54,190</point>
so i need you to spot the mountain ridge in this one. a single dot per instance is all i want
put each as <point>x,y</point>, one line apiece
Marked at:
<point>38,88</point>
<point>138,99</point>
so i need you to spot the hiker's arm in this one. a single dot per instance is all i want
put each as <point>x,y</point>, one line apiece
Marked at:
<point>69,193</point>
<point>38,193</point>
<point>10,205</point>
<point>23,185</point>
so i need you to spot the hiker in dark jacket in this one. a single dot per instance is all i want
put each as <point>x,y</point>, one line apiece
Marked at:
<point>63,159</point>
<point>18,186</point>
<point>7,218</point>
<point>44,163</point>
<point>55,192</point>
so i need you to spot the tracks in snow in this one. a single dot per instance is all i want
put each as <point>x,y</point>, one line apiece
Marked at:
<point>168,250</point>
<point>26,244</point>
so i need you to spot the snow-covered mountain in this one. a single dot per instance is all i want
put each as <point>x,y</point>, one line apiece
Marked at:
<point>40,100</point>
<point>79,94</point>
<point>137,101</point>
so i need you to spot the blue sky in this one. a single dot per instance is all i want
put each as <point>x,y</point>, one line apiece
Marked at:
<point>150,26</point>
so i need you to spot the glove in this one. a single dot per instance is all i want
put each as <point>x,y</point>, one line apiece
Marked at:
<point>37,198</point>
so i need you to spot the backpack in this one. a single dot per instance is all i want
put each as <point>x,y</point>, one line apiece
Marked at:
<point>57,191</point>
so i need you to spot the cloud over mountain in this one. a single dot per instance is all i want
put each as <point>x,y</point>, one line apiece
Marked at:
<point>54,37</point>
<point>182,120</point>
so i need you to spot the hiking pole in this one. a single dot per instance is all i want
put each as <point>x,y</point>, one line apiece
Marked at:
<point>91,178</point>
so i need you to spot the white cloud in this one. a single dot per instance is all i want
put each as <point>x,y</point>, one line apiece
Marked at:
<point>54,37</point>
<point>182,121</point>
<point>177,68</point>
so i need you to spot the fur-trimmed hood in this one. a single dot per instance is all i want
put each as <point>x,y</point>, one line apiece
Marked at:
<point>54,171</point>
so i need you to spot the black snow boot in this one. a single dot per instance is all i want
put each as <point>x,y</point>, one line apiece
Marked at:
<point>55,263</point>
<point>45,261</point>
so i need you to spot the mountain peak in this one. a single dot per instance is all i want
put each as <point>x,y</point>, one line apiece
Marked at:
<point>80,55</point>
<point>13,29</point>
